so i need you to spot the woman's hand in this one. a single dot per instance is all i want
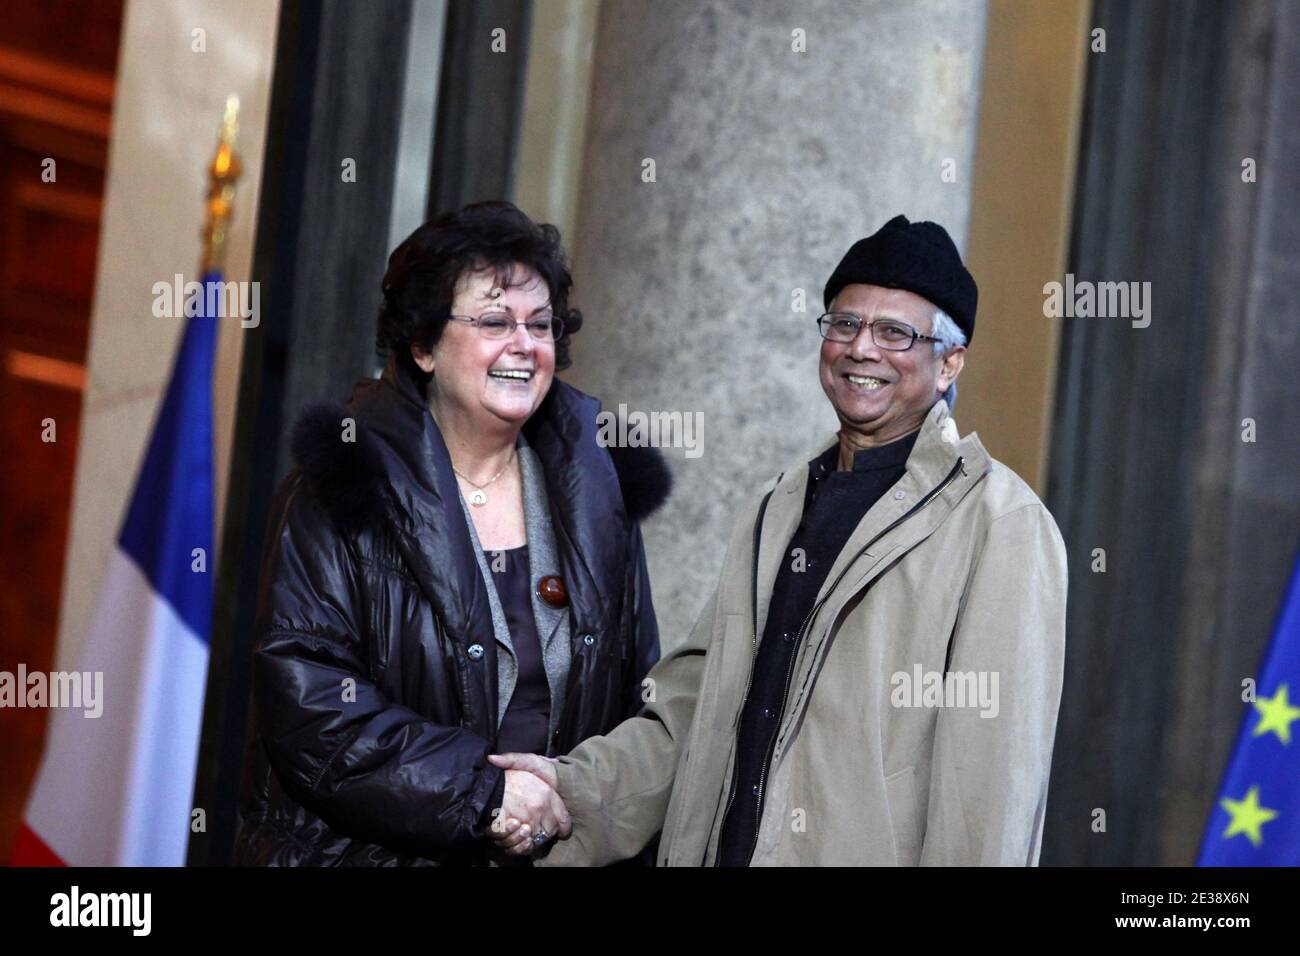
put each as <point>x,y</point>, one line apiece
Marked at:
<point>530,808</point>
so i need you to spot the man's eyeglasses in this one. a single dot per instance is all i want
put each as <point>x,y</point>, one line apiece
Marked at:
<point>500,325</point>
<point>887,333</point>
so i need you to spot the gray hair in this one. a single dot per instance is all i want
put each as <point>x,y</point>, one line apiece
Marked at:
<point>950,337</point>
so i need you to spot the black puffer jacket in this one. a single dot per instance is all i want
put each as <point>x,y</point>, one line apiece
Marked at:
<point>370,575</point>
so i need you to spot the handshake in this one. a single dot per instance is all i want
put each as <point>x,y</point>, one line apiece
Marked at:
<point>531,813</point>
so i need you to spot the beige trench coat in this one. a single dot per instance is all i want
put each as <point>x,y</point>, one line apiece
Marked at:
<point>958,569</point>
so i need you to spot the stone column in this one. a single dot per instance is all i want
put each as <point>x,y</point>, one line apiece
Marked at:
<point>779,134</point>
<point>1172,471</point>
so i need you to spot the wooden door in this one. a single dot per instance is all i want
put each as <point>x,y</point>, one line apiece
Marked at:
<point>57,66</point>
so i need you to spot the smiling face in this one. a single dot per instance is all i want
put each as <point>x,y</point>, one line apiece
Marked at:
<point>878,394</point>
<point>492,383</point>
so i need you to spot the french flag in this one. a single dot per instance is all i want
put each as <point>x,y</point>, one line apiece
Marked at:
<point>116,790</point>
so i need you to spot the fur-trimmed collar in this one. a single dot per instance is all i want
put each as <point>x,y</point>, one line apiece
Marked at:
<point>343,465</point>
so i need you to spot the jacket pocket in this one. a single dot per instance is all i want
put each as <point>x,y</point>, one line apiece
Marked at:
<point>900,791</point>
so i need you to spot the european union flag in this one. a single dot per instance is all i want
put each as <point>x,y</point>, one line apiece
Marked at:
<point>1257,819</point>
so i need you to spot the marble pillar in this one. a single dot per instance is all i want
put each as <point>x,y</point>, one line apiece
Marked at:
<point>735,150</point>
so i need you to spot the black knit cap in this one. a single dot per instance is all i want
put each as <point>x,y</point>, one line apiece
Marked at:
<point>916,256</point>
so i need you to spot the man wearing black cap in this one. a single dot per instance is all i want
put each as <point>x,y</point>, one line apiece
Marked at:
<point>876,678</point>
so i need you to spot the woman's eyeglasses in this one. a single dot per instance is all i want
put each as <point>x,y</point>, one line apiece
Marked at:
<point>500,325</point>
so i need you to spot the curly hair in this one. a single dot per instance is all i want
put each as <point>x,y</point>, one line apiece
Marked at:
<point>420,284</point>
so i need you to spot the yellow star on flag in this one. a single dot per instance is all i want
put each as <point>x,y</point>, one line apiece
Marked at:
<point>1247,816</point>
<point>1276,715</point>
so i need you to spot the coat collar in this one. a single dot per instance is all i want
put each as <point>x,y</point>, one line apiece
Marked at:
<point>422,503</point>
<point>937,449</point>
<point>937,452</point>
<point>396,471</point>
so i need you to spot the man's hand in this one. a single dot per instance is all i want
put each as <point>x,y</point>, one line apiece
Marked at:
<point>530,808</point>
<point>538,766</point>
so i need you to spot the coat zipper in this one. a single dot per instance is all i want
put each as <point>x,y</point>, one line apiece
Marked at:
<point>758,527</point>
<point>771,747</point>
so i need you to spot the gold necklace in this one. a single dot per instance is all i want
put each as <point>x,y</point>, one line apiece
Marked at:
<point>478,497</point>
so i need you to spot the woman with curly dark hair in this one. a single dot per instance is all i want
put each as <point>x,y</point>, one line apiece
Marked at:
<point>456,569</point>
